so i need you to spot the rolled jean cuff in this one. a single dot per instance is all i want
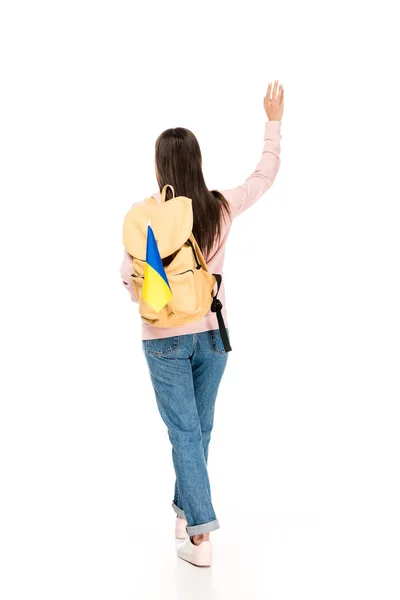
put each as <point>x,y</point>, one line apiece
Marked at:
<point>178,510</point>
<point>204,528</point>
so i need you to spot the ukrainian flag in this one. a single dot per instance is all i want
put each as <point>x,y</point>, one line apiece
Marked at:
<point>156,291</point>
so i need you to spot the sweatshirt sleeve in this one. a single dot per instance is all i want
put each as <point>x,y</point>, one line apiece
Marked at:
<point>126,272</point>
<point>263,176</point>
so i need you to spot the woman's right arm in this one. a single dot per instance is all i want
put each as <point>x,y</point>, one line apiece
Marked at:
<point>263,176</point>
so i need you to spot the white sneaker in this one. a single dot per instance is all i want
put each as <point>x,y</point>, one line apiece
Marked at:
<point>200,555</point>
<point>180,528</point>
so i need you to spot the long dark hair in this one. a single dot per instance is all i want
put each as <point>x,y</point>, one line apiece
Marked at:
<point>178,162</point>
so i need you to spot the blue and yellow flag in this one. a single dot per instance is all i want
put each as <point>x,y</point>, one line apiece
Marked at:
<point>156,291</point>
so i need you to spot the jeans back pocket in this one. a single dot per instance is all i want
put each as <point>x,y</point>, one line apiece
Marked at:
<point>161,346</point>
<point>217,345</point>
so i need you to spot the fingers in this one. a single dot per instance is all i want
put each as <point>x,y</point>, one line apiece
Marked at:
<point>273,100</point>
<point>277,92</point>
<point>267,97</point>
<point>275,88</point>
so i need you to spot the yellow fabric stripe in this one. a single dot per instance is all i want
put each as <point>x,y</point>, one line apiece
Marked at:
<point>155,292</point>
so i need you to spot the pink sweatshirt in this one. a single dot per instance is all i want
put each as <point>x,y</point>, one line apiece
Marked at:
<point>240,199</point>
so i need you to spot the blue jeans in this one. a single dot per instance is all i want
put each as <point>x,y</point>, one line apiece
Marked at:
<point>186,371</point>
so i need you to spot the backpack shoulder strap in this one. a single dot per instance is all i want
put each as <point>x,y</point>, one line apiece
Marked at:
<point>216,306</point>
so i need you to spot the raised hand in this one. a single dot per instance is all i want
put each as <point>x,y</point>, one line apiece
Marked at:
<point>273,103</point>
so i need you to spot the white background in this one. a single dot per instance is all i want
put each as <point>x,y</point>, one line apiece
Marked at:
<point>304,456</point>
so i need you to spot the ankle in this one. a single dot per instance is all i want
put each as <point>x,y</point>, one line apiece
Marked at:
<point>198,538</point>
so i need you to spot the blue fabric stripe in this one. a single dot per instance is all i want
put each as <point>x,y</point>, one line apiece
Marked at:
<point>153,257</point>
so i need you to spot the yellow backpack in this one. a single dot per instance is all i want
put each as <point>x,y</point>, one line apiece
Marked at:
<point>190,281</point>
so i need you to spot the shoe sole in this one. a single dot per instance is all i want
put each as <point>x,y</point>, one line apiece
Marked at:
<point>192,563</point>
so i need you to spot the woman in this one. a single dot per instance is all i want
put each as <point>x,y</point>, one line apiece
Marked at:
<point>186,363</point>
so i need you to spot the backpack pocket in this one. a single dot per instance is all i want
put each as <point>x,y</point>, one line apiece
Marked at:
<point>144,309</point>
<point>184,292</point>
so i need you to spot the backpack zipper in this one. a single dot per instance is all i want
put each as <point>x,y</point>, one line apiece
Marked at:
<point>171,275</point>
<point>187,271</point>
<point>198,265</point>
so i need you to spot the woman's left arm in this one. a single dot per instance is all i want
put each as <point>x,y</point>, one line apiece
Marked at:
<point>126,272</point>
